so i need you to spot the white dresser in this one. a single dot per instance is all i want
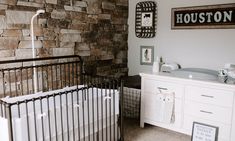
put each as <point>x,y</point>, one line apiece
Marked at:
<point>200,101</point>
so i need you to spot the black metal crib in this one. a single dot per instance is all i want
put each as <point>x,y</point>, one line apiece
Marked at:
<point>51,99</point>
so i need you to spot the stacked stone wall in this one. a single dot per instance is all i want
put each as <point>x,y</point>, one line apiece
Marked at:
<point>93,29</point>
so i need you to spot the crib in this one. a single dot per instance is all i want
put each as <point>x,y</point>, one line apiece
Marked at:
<point>51,99</point>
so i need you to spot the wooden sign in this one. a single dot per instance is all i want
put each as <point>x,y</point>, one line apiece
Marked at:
<point>204,132</point>
<point>211,16</point>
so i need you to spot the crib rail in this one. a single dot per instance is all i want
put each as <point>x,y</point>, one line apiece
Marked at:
<point>28,76</point>
<point>89,112</point>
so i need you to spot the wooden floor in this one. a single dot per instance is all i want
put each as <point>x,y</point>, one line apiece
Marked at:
<point>150,133</point>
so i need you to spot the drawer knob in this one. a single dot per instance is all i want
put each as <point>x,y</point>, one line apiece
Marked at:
<point>208,96</point>
<point>202,111</point>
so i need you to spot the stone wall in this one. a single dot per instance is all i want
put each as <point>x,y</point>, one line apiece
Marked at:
<point>93,29</point>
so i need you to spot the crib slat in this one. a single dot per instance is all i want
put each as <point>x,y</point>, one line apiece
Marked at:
<point>52,82</point>
<point>8,115</point>
<point>49,118</point>
<point>83,115</point>
<point>21,82</point>
<point>93,113</point>
<point>27,119</point>
<point>42,119</point>
<point>102,113</point>
<point>61,119</point>
<point>42,76</point>
<point>3,84</point>
<point>32,72</point>
<point>35,123</point>
<point>16,82</point>
<point>37,68</point>
<point>9,81</point>
<point>88,113</point>
<point>55,119</point>
<point>72,107</point>
<point>114,112</point>
<point>56,77</point>
<point>78,115</point>
<point>27,80</point>
<point>106,114</point>
<point>67,114</point>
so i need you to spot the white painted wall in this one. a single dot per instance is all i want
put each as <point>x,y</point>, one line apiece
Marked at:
<point>204,48</point>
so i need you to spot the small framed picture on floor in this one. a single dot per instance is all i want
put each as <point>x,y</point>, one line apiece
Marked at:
<point>146,55</point>
<point>204,132</point>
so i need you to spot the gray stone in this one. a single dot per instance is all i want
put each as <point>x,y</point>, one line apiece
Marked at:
<point>18,17</point>
<point>26,32</point>
<point>27,38</point>
<point>118,38</point>
<point>73,8</point>
<point>70,38</point>
<point>63,51</point>
<point>9,42</point>
<point>94,7</point>
<point>42,21</point>
<point>51,1</point>
<point>45,52</point>
<point>12,33</point>
<point>82,46</point>
<point>67,44</point>
<point>9,2</point>
<point>83,53</point>
<point>49,34</point>
<point>28,44</point>
<point>30,4</point>
<point>49,44</point>
<point>3,7</point>
<point>121,55</point>
<point>64,31</point>
<point>24,53</point>
<point>122,2</point>
<point>3,24</point>
<point>80,3</point>
<point>107,57</point>
<point>58,14</point>
<point>104,16</point>
<point>108,5</point>
<point>7,53</point>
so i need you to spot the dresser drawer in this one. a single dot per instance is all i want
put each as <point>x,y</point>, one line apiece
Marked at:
<point>154,87</point>
<point>210,96</point>
<point>224,129</point>
<point>209,112</point>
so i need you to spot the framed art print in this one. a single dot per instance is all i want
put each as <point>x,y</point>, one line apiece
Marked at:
<point>145,19</point>
<point>204,132</point>
<point>146,55</point>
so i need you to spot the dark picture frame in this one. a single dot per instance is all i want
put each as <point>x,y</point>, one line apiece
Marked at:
<point>202,132</point>
<point>220,16</point>
<point>146,55</point>
<point>145,19</point>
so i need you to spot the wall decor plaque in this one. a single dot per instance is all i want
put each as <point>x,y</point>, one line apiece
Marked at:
<point>204,132</point>
<point>210,16</point>
<point>146,55</point>
<point>145,17</point>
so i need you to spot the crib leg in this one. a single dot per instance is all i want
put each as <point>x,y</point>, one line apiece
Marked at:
<point>121,112</point>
